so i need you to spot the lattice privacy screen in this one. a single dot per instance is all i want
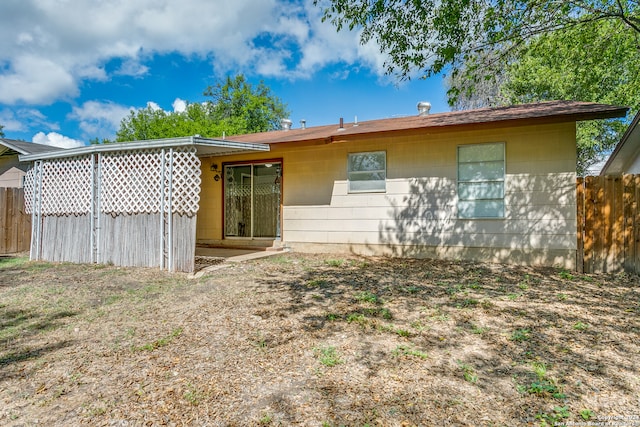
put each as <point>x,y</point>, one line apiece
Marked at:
<point>126,183</point>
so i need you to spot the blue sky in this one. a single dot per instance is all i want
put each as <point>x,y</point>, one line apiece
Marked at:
<point>70,70</point>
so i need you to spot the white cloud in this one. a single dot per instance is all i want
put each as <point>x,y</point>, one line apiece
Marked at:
<point>99,119</point>
<point>23,119</point>
<point>179,105</point>
<point>35,80</point>
<point>48,51</point>
<point>56,140</point>
<point>132,68</point>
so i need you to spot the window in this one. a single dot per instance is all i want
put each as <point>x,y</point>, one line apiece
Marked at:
<point>367,172</point>
<point>481,181</point>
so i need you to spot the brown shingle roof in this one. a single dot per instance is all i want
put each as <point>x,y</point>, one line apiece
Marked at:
<point>547,112</point>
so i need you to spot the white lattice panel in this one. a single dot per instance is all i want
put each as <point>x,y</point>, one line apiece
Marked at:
<point>29,185</point>
<point>66,187</point>
<point>132,182</point>
<point>185,181</point>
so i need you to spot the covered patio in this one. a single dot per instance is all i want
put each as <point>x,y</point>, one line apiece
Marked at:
<point>127,204</point>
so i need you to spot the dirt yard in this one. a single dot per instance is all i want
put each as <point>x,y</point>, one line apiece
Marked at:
<point>318,341</point>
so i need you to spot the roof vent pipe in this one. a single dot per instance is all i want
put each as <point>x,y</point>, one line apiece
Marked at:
<point>341,124</point>
<point>423,108</point>
<point>285,124</point>
<point>303,124</point>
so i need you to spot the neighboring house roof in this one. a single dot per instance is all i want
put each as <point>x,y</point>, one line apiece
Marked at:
<point>626,156</point>
<point>544,112</point>
<point>203,146</point>
<point>11,147</point>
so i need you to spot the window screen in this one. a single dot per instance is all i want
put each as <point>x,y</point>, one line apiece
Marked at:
<point>481,181</point>
<point>367,172</point>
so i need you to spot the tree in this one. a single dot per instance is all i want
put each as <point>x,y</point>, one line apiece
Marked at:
<point>235,107</point>
<point>595,62</point>
<point>475,37</point>
<point>1,132</point>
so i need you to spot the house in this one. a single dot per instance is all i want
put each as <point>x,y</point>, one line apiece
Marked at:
<point>625,158</point>
<point>493,184</point>
<point>12,171</point>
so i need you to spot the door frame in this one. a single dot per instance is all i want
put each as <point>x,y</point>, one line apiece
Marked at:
<point>223,204</point>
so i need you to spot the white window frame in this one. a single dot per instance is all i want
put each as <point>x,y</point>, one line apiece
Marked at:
<point>352,173</point>
<point>500,211</point>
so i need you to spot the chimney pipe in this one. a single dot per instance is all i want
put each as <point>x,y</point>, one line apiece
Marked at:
<point>303,124</point>
<point>285,124</point>
<point>341,124</point>
<point>423,108</point>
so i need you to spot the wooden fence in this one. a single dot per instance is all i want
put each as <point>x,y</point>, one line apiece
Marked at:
<point>608,224</point>
<point>15,224</point>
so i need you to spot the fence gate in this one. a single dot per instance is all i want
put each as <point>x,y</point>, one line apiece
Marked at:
<point>15,223</point>
<point>608,224</point>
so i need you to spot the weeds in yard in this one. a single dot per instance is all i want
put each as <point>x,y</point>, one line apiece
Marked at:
<point>332,317</point>
<point>550,420</point>
<point>408,351</point>
<point>358,318</point>
<point>564,274</point>
<point>562,297</point>
<point>520,335</point>
<point>479,330</point>
<point>193,395</point>
<point>334,262</point>
<point>467,302</point>
<point>162,342</point>
<point>10,261</point>
<point>579,326</point>
<point>544,386</point>
<point>586,414</point>
<point>328,356</point>
<point>369,297</point>
<point>265,420</point>
<point>468,373</point>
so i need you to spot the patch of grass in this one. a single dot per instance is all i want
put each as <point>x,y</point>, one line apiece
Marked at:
<point>467,302</point>
<point>453,290</point>
<point>328,356</point>
<point>411,290</point>
<point>193,395</point>
<point>468,372</point>
<point>335,262</point>
<point>554,419</point>
<point>479,330</point>
<point>403,332</point>
<point>514,297</point>
<point>564,274</point>
<point>579,326</point>
<point>332,317</point>
<point>316,283</point>
<point>11,261</point>
<point>586,414</point>
<point>369,297</point>
<point>520,335</point>
<point>279,259</point>
<point>159,343</point>
<point>544,386</point>
<point>562,297</point>
<point>265,420</point>
<point>408,351</point>
<point>358,318</point>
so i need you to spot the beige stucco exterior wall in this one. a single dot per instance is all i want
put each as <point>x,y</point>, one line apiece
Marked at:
<point>417,215</point>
